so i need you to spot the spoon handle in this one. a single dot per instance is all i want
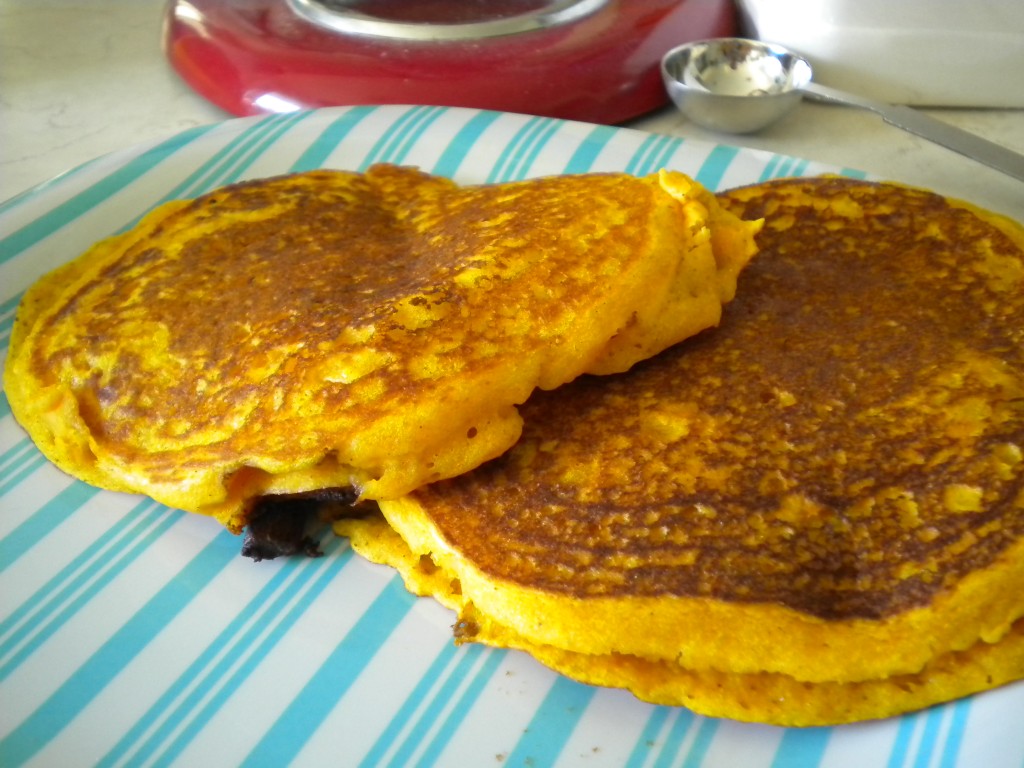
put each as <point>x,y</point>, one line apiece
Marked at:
<point>968,144</point>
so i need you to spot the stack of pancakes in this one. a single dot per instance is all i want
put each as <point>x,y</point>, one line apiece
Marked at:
<point>812,513</point>
<point>372,331</point>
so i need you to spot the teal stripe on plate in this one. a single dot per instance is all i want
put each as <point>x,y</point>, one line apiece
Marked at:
<point>43,601</point>
<point>278,126</point>
<point>243,154</point>
<point>467,136</point>
<point>637,159</point>
<point>769,168</point>
<point>6,327</point>
<point>652,154</point>
<point>783,169</point>
<point>9,311</point>
<point>388,143</point>
<point>587,152</point>
<point>674,740</point>
<point>61,215</point>
<point>794,167</point>
<point>10,305</point>
<point>303,584</point>
<point>469,659</point>
<point>531,151</point>
<point>514,160</point>
<point>211,666</point>
<point>685,724</point>
<point>853,173</point>
<point>51,717</point>
<point>715,165</point>
<point>648,737</point>
<point>380,146</point>
<point>63,596</point>
<point>16,456</point>
<point>451,665</point>
<point>199,674</point>
<point>661,159</point>
<point>13,202</point>
<point>802,747</point>
<point>217,165</point>
<point>225,166</point>
<point>955,735</point>
<point>394,144</point>
<point>701,743</point>
<point>901,746</point>
<point>929,737</point>
<point>229,162</point>
<point>552,724</point>
<point>510,151</point>
<point>21,467</point>
<point>406,142</point>
<point>462,707</point>
<point>5,406</point>
<point>317,153</point>
<point>45,519</point>
<point>287,736</point>
<point>413,703</point>
<point>456,675</point>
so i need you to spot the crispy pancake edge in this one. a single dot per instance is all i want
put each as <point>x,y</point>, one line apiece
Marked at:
<point>757,696</point>
<point>224,489</point>
<point>980,607</point>
<point>735,637</point>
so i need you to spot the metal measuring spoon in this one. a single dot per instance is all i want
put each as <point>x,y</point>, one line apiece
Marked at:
<point>739,86</point>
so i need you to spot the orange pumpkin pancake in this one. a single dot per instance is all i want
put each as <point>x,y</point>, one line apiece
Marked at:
<point>811,514</point>
<point>370,331</point>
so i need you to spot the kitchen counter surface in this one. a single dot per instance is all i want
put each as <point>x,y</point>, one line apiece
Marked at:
<point>81,79</point>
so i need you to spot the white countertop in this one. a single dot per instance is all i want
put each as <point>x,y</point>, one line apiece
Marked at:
<point>81,78</point>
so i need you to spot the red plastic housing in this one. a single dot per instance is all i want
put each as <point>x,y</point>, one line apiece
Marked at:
<point>259,56</point>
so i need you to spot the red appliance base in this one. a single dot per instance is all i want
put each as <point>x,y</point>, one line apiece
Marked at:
<point>260,56</point>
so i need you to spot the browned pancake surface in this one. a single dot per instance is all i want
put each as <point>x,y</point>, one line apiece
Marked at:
<point>370,330</point>
<point>847,443</point>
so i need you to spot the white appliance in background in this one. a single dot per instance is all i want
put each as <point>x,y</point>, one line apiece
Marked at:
<point>957,53</point>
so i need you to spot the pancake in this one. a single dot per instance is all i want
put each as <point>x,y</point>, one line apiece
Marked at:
<point>344,330</point>
<point>812,514</point>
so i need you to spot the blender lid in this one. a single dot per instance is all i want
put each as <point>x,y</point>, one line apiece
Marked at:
<point>441,21</point>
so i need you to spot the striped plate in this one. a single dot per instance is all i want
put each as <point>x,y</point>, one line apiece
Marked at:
<point>134,634</point>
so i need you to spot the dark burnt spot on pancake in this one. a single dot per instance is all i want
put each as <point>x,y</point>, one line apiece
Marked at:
<point>320,304</point>
<point>279,530</point>
<point>465,630</point>
<point>847,443</point>
<point>280,525</point>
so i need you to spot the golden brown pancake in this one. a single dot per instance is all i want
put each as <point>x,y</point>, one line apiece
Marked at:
<point>812,514</point>
<point>335,329</point>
